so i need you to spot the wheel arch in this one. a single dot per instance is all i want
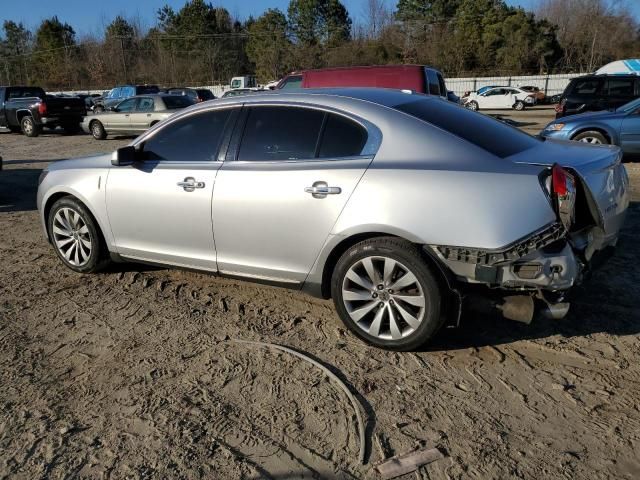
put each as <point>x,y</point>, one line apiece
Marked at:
<point>54,197</point>
<point>443,276</point>
<point>20,114</point>
<point>608,134</point>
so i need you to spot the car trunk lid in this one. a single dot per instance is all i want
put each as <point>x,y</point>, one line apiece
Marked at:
<point>600,171</point>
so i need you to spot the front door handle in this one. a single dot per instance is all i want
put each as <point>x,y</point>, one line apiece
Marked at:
<point>321,190</point>
<point>189,184</point>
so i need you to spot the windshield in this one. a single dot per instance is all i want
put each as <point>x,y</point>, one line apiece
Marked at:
<point>630,107</point>
<point>173,102</point>
<point>491,135</point>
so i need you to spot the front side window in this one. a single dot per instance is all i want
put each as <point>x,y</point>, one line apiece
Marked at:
<point>495,91</point>
<point>280,133</point>
<point>127,105</point>
<point>292,82</point>
<point>202,133</point>
<point>145,104</point>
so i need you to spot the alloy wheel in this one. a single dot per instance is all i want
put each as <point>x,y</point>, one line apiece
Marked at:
<point>71,236</point>
<point>383,297</point>
<point>591,140</point>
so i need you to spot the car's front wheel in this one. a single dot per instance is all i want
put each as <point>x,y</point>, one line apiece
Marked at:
<point>592,136</point>
<point>75,236</point>
<point>386,294</point>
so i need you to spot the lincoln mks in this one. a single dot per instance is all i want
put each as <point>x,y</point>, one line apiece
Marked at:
<point>396,205</point>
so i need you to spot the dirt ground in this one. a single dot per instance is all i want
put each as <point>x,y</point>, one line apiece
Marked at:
<point>132,373</point>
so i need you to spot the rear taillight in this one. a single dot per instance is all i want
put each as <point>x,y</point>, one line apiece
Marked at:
<point>42,109</point>
<point>563,193</point>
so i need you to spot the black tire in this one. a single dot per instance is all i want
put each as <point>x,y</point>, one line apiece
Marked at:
<point>472,105</point>
<point>97,130</point>
<point>98,256</point>
<point>593,137</point>
<point>407,258</point>
<point>29,127</point>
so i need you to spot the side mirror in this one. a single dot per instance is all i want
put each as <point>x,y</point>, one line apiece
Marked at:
<point>124,156</point>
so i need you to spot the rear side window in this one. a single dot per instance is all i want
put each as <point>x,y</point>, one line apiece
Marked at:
<point>491,135</point>
<point>341,138</point>
<point>292,82</point>
<point>202,133</point>
<point>588,86</point>
<point>623,87</point>
<point>173,102</point>
<point>280,133</point>
<point>145,104</point>
<point>146,90</point>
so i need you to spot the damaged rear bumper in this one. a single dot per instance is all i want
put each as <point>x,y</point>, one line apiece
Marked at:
<point>544,265</point>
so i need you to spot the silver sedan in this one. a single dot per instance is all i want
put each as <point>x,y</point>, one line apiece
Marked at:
<point>134,115</point>
<point>395,205</point>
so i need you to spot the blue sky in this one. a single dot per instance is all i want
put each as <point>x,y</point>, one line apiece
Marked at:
<point>89,17</point>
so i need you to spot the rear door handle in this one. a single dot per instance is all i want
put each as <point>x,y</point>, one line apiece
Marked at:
<point>189,184</point>
<point>321,190</point>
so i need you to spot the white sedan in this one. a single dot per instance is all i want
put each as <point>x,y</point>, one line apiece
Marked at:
<point>499,98</point>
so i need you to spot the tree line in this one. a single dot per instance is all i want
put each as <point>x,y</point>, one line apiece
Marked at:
<point>201,44</point>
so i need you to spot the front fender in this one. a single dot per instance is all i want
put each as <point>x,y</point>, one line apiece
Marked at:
<point>89,189</point>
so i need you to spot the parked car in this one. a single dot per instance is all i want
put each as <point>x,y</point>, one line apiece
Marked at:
<point>29,109</point>
<point>499,98</point>
<point>348,194</point>
<point>135,115</point>
<point>536,92</point>
<point>196,94</point>
<point>618,127</point>
<point>117,94</point>
<point>597,92</point>
<point>417,78</point>
<point>237,92</point>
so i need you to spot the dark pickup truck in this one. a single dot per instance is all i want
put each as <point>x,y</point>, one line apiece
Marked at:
<point>29,109</point>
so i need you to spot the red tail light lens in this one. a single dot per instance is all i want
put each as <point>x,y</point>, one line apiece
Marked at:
<point>559,180</point>
<point>563,191</point>
<point>42,108</point>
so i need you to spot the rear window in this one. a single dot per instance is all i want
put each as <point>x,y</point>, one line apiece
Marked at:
<point>173,102</point>
<point>147,89</point>
<point>481,130</point>
<point>26,92</point>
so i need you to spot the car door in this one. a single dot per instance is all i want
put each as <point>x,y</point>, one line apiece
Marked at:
<point>141,117</point>
<point>160,208</point>
<point>621,91</point>
<point>281,189</point>
<point>630,133</point>
<point>491,98</point>
<point>119,120</point>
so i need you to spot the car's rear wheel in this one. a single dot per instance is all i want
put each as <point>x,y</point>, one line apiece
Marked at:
<point>593,137</point>
<point>472,105</point>
<point>386,294</point>
<point>75,236</point>
<point>97,130</point>
<point>29,127</point>
<point>519,105</point>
